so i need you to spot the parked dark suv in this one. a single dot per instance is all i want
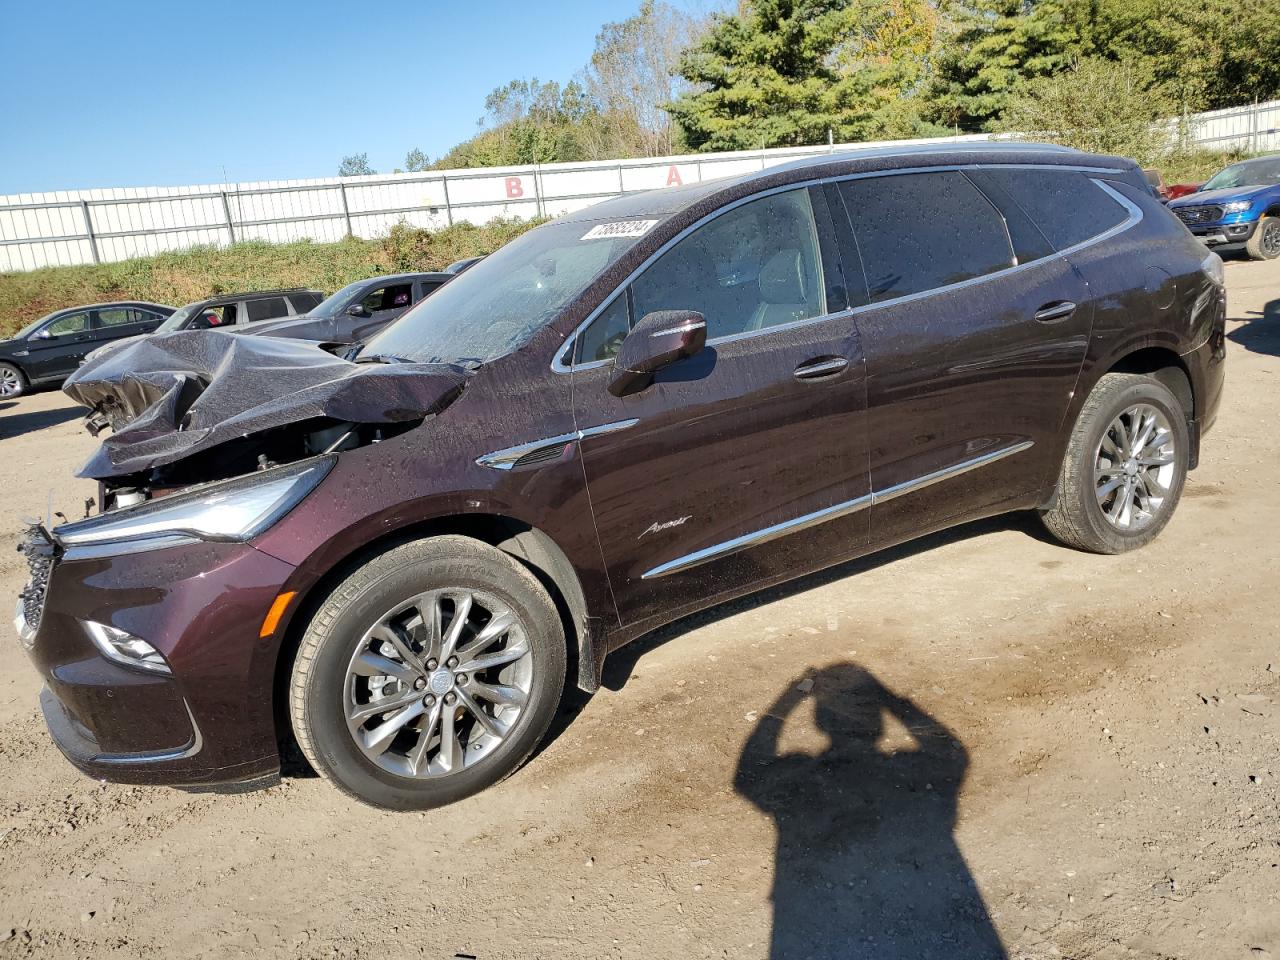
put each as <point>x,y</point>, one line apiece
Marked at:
<point>358,310</point>
<point>49,349</point>
<point>625,415</point>
<point>232,311</point>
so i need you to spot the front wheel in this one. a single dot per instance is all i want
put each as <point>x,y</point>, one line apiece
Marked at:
<point>1124,469</point>
<point>12,382</point>
<point>428,674</point>
<point>1265,242</point>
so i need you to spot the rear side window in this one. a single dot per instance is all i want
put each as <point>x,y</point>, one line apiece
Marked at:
<point>302,302</point>
<point>1068,207</point>
<point>266,309</point>
<point>922,231</point>
<point>120,316</point>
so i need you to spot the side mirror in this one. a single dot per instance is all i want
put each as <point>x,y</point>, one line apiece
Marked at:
<point>658,340</point>
<point>43,335</point>
<point>358,310</point>
<point>201,323</point>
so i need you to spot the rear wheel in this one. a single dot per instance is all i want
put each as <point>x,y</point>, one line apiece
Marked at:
<point>12,382</point>
<point>1265,242</point>
<point>427,675</point>
<point>1124,469</point>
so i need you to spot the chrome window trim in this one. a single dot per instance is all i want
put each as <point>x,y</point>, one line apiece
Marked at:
<point>787,527</point>
<point>507,457</point>
<point>558,364</point>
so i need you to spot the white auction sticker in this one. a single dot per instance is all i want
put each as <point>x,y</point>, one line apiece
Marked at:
<point>622,228</point>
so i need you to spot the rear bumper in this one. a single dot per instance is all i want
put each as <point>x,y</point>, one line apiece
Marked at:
<point>208,722</point>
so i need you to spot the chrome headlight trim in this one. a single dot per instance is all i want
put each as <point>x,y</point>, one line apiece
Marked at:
<point>228,511</point>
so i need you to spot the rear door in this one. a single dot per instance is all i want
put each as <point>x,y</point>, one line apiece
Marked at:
<point>745,464</point>
<point>58,347</point>
<point>972,348</point>
<point>115,323</point>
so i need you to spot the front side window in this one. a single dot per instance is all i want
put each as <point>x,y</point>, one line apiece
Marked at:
<point>922,231</point>
<point>395,297</point>
<point>71,323</point>
<point>753,267</point>
<point>1067,206</point>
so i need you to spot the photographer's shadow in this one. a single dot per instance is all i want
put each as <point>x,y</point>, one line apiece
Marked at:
<point>866,865</point>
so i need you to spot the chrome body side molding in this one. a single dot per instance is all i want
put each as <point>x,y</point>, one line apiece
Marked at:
<point>829,513</point>
<point>540,451</point>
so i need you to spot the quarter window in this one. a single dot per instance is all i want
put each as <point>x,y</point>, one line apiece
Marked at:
<point>1068,207</point>
<point>921,231</point>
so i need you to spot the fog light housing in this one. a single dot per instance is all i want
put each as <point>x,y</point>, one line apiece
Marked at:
<point>124,648</point>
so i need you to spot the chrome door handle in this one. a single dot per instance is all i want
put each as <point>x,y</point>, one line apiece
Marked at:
<point>820,368</point>
<point>1058,310</point>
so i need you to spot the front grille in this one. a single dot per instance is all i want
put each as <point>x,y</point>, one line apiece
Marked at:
<point>38,549</point>
<point>1208,214</point>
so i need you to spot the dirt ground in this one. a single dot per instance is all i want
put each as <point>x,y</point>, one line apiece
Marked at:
<point>979,745</point>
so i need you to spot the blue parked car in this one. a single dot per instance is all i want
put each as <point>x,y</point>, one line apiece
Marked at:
<point>1237,209</point>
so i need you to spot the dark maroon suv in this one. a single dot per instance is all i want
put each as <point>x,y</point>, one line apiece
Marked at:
<point>400,557</point>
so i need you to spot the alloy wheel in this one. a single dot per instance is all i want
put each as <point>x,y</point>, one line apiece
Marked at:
<point>1270,241</point>
<point>10,382</point>
<point>1134,467</point>
<point>438,683</point>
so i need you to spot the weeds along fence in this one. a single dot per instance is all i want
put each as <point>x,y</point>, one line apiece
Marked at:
<point>106,225</point>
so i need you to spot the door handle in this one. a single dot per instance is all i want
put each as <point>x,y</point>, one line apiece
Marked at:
<point>1053,312</point>
<point>820,368</point>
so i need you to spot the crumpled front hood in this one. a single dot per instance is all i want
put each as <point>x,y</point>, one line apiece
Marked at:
<point>169,396</point>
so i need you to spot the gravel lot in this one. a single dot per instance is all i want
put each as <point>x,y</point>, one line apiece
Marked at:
<point>980,744</point>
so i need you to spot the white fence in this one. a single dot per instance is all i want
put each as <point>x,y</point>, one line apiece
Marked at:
<point>95,226</point>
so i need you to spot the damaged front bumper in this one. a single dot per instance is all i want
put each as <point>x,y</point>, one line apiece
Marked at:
<point>205,720</point>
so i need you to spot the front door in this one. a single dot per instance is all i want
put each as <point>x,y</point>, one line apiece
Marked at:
<point>744,464</point>
<point>972,349</point>
<point>58,348</point>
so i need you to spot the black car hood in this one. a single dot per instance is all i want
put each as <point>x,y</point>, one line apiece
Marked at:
<point>169,396</point>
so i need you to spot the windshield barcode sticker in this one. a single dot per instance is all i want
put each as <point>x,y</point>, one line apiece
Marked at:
<point>622,228</point>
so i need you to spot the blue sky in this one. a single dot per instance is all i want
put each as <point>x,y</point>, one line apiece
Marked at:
<point>131,93</point>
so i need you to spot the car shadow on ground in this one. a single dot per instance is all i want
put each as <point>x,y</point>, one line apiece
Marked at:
<point>866,861</point>
<point>1260,331</point>
<point>14,424</point>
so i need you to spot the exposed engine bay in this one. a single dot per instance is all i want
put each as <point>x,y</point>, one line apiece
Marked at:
<point>200,406</point>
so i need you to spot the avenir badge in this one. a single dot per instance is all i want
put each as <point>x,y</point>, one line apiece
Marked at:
<point>620,228</point>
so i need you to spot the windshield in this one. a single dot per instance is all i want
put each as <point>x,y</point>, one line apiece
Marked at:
<point>177,318</point>
<point>1264,172</point>
<point>30,327</point>
<point>333,304</point>
<point>497,305</point>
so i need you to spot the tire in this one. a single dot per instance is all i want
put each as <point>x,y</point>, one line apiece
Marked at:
<point>348,641</point>
<point>13,383</point>
<point>1082,515</point>
<point>1265,242</point>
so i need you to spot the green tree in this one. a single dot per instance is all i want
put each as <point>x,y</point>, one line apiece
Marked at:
<point>356,165</point>
<point>785,72</point>
<point>1097,105</point>
<point>1205,55</point>
<point>528,122</point>
<point>415,161</point>
<point>631,79</point>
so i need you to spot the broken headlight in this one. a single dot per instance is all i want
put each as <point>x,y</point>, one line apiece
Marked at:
<point>233,510</point>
